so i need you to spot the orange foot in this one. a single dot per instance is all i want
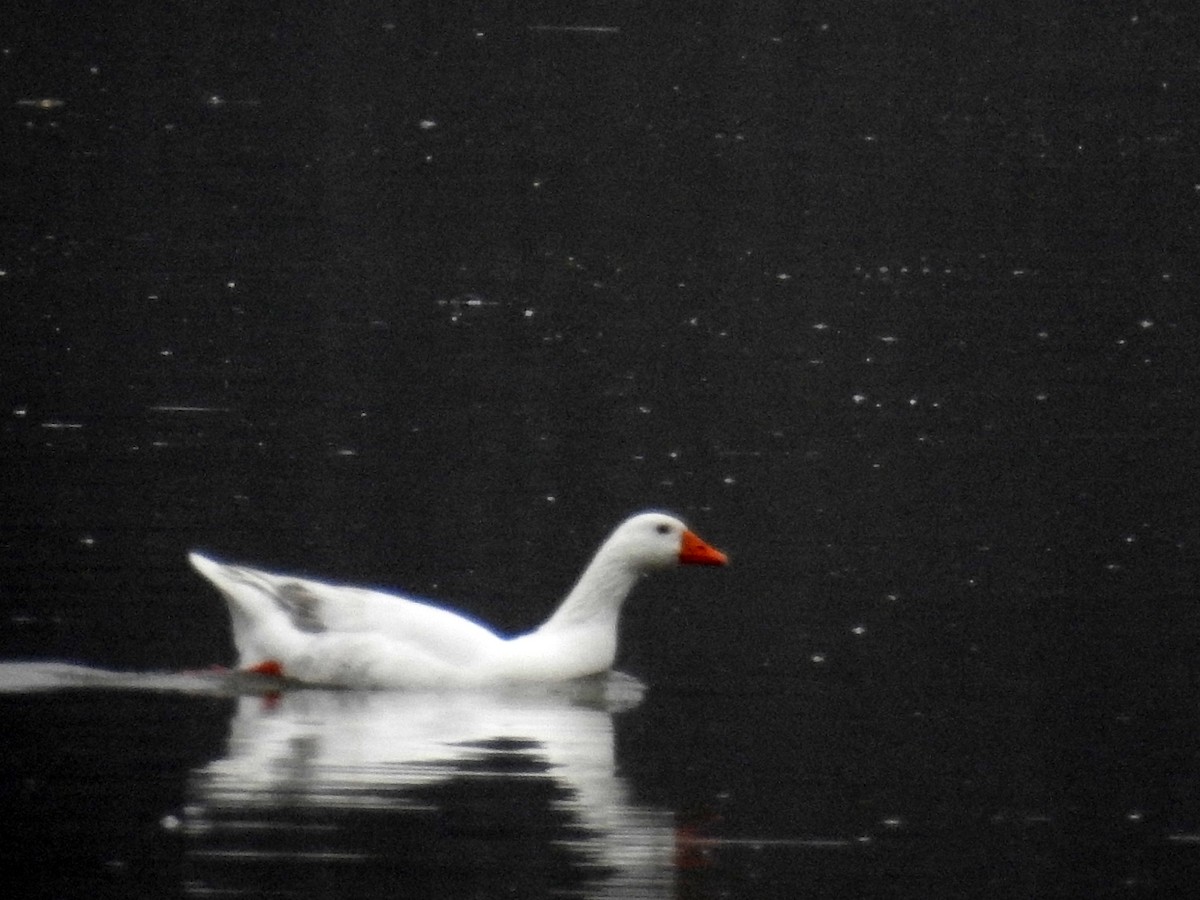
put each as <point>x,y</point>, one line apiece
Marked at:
<point>271,667</point>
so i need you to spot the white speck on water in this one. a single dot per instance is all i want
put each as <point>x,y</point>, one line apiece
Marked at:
<point>231,285</point>
<point>1146,323</point>
<point>550,498</point>
<point>889,339</point>
<point>427,124</point>
<point>88,541</point>
<point>579,29</point>
<point>817,658</point>
<point>1184,838</point>
<point>169,822</point>
<point>859,630</point>
<point>644,410</point>
<point>821,326</point>
<point>20,412</point>
<point>859,398</point>
<point>892,822</point>
<point>729,479</point>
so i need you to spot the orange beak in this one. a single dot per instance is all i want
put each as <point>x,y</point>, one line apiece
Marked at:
<point>694,552</point>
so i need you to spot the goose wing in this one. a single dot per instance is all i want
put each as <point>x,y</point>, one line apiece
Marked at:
<point>316,607</point>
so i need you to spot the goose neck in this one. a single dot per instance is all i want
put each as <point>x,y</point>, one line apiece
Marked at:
<point>597,595</point>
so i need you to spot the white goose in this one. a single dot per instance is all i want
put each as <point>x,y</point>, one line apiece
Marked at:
<point>353,637</point>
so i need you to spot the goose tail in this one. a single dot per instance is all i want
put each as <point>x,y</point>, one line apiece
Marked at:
<point>262,628</point>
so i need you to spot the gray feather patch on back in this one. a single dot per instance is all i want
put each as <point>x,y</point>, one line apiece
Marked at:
<point>302,606</point>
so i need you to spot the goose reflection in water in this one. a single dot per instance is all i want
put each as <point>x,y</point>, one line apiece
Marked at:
<point>498,793</point>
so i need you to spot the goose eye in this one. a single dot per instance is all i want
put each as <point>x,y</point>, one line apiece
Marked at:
<point>663,528</point>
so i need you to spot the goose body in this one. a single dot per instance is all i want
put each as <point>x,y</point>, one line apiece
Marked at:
<point>330,634</point>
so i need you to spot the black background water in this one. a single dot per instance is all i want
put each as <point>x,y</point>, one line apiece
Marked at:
<point>895,302</point>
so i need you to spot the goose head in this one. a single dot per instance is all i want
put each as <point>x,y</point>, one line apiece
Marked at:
<point>655,540</point>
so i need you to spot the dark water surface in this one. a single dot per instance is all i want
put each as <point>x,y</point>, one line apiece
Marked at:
<point>895,302</point>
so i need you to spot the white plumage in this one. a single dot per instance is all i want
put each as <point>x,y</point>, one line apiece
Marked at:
<point>329,634</point>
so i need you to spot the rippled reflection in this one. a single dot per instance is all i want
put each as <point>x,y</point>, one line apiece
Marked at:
<point>403,794</point>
